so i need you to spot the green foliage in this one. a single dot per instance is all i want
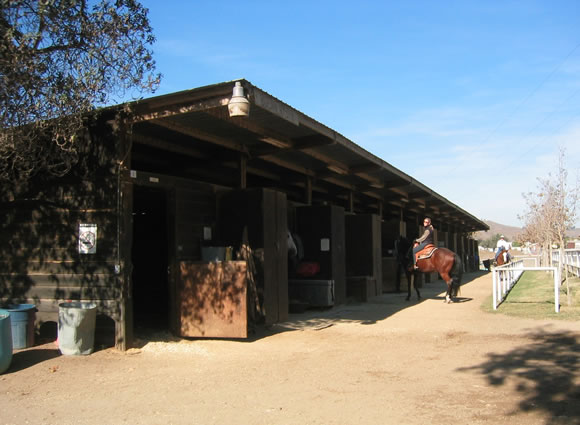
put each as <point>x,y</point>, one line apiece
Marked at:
<point>59,60</point>
<point>484,243</point>
<point>491,242</point>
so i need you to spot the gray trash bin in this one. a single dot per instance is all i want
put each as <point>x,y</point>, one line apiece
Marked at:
<point>76,327</point>
<point>5,341</point>
<point>22,317</point>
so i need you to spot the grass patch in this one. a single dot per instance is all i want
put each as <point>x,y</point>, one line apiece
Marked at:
<point>533,298</point>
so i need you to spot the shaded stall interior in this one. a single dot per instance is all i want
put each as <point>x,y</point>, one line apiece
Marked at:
<point>320,277</point>
<point>364,269</point>
<point>150,259</point>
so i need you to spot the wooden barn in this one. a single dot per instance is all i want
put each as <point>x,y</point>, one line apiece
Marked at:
<point>178,214</point>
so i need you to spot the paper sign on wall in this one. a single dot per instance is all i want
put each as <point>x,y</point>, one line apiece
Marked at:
<point>325,244</point>
<point>87,238</point>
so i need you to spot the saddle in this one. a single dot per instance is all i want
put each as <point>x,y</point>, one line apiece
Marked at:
<point>426,252</point>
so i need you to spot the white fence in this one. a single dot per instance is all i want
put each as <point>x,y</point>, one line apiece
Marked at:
<point>505,277</point>
<point>571,260</point>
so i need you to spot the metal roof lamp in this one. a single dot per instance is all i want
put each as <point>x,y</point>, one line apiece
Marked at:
<point>238,106</point>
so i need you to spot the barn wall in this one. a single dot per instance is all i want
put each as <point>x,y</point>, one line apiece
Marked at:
<point>40,261</point>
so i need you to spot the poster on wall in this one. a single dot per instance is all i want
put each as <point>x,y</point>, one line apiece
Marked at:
<point>87,238</point>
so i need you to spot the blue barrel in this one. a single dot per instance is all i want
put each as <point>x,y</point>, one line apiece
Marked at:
<point>22,317</point>
<point>76,327</point>
<point>5,341</point>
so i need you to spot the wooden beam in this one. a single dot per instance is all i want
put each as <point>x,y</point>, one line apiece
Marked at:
<point>372,194</point>
<point>389,184</point>
<point>365,168</point>
<point>289,165</point>
<point>398,191</point>
<point>311,141</point>
<point>147,112</point>
<point>198,134</point>
<point>162,144</point>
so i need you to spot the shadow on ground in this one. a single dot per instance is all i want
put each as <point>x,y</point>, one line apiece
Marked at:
<point>366,313</point>
<point>544,372</point>
<point>27,358</point>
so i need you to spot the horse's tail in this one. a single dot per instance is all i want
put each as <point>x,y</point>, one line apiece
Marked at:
<point>456,274</point>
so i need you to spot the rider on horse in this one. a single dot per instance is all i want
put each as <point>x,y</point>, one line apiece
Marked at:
<point>502,245</point>
<point>426,238</point>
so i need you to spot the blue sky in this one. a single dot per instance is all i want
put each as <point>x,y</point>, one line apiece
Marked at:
<point>472,98</point>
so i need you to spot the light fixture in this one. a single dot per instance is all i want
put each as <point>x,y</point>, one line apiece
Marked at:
<point>238,106</point>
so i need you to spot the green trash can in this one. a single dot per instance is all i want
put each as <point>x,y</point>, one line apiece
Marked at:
<point>76,327</point>
<point>5,341</point>
<point>22,317</point>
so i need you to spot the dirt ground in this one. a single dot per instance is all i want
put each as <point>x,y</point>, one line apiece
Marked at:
<point>384,362</point>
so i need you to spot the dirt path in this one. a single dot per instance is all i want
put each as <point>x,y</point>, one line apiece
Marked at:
<point>384,362</point>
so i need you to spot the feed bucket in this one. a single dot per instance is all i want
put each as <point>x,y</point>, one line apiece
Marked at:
<point>76,327</point>
<point>22,317</point>
<point>5,341</point>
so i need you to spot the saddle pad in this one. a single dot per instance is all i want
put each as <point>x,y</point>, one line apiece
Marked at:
<point>426,252</point>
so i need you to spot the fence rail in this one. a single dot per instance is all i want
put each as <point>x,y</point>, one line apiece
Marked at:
<point>571,260</point>
<point>505,277</point>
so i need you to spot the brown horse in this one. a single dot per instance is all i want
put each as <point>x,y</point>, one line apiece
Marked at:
<point>447,264</point>
<point>503,257</point>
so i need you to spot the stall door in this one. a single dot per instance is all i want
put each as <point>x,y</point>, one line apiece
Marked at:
<point>212,299</point>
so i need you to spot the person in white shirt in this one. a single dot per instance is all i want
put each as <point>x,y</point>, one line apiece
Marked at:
<point>501,245</point>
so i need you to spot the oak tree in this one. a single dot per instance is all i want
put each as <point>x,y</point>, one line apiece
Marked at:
<point>59,60</point>
<point>551,212</point>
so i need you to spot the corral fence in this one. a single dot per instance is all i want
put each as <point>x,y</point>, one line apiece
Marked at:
<point>505,277</point>
<point>570,260</point>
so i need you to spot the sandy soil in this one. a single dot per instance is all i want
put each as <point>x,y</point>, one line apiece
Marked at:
<point>383,362</point>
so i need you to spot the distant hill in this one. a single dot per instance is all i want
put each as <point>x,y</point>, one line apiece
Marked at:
<point>511,232</point>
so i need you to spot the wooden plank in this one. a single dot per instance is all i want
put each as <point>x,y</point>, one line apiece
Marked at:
<point>74,293</point>
<point>282,255</point>
<point>270,237</point>
<point>338,254</point>
<point>198,134</point>
<point>147,112</point>
<point>275,256</point>
<point>94,280</point>
<point>124,323</point>
<point>212,299</point>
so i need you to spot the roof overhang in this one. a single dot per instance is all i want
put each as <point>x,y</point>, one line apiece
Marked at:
<point>191,134</point>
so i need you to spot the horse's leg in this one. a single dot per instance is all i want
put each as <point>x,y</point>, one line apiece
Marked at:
<point>411,283</point>
<point>449,281</point>
<point>448,294</point>
<point>418,293</point>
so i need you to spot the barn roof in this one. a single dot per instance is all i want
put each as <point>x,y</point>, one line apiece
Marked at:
<point>191,134</point>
